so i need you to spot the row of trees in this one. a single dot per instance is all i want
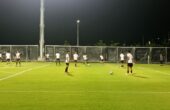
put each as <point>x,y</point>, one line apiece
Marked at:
<point>152,43</point>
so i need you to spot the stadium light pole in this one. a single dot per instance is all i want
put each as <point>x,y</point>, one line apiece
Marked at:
<point>42,26</point>
<point>78,22</point>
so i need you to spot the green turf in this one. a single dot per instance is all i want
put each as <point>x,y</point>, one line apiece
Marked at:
<point>45,86</point>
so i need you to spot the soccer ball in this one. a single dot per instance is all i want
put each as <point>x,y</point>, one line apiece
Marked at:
<point>111,72</point>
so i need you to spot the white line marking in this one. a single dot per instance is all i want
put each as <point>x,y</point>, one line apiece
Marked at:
<point>21,72</point>
<point>81,92</point>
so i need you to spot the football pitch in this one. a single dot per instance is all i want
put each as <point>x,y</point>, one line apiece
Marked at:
<point>45,86</point>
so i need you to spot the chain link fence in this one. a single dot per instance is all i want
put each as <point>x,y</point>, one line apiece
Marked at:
<point>111,54</point>
<point>28,52</point>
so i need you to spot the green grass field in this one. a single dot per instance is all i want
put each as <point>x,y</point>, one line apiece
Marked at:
<point>45,86</point>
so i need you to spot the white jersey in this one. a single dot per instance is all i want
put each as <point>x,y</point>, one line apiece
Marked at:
<point>122,57</point>
<point>129,58</point>
<point>57,55</point>
<point>8,55</point>
<point>18,55</point>
<point>75,56</point>
<point>67,58</point>
<point>85,57</point>
<point>0,55</point>
<point>161,57</point>
<point>47,55</point>
<point>101,57</point>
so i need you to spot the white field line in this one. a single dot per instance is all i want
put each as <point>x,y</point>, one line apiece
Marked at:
<point>21,72</point>
<point>155,71</point>
<point>82,92</point>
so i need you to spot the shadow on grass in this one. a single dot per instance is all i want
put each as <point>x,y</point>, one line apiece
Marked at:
<point>139,76</point>
<point>69,74</point>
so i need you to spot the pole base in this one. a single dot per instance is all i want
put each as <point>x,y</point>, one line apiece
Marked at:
<point>41,59</point>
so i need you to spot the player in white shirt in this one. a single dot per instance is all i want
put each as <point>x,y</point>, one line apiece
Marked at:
<point>67,61</point>
<point>101,58</point>
<point>122,58</point>
<point>129,62</point>
<point>0,57</point>
<point>8,57</point>
<point>57,58</point>
<point>47,56</point>
<point>85,59</point>
<point>75,57</point>
<point>18,58</point>
<point>161,59</point>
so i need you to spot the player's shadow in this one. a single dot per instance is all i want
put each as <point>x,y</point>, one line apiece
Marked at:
<point>139,76</point>
<point>69,74</point>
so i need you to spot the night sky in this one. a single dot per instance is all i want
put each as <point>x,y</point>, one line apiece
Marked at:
<point>124,21</point>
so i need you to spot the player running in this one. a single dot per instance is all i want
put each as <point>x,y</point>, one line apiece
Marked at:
<point>129,62</point>
<point>57,58</point>
<point>8,57</point>
<point>122,58</point>
<point>18,58</point>
<point>67,62</point>
<point>75,57</point>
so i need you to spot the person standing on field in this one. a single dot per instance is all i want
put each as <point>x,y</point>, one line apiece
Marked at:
<point>161,59</point>
<point>8,57</point>
<point>75,57</point>
<point>129,62</point>
<point>67,61</point>
<point>85,59</point>
<point>57,58</point>
<point>18,58</point>
<point>122,58</point>
<point>101,58</point>
<point>0,57</point>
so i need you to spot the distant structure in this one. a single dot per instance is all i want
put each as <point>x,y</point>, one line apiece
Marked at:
<point>42,26</point>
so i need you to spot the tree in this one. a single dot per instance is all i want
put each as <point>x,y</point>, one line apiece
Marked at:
<point>112,43</point>
<point>100,43</point>
<point>66,42</point>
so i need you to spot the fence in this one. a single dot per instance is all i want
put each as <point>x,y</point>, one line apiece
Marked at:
<point>29,52</point>
<point>110,53</point>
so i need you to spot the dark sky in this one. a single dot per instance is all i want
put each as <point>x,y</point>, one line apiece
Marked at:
<point>124,21</point>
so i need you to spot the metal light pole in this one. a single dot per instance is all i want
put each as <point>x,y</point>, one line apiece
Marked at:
<point>42,26</point>
<point>78,22</point>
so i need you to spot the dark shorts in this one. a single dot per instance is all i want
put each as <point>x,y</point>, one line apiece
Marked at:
<point>57,59</point>
<point>8,60</point>
<point>75,60</point>
<point>130,64</point>
<point>18,59</point>
<point>101,59</point>
<point>67,64</point>
<point>122,61</point>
